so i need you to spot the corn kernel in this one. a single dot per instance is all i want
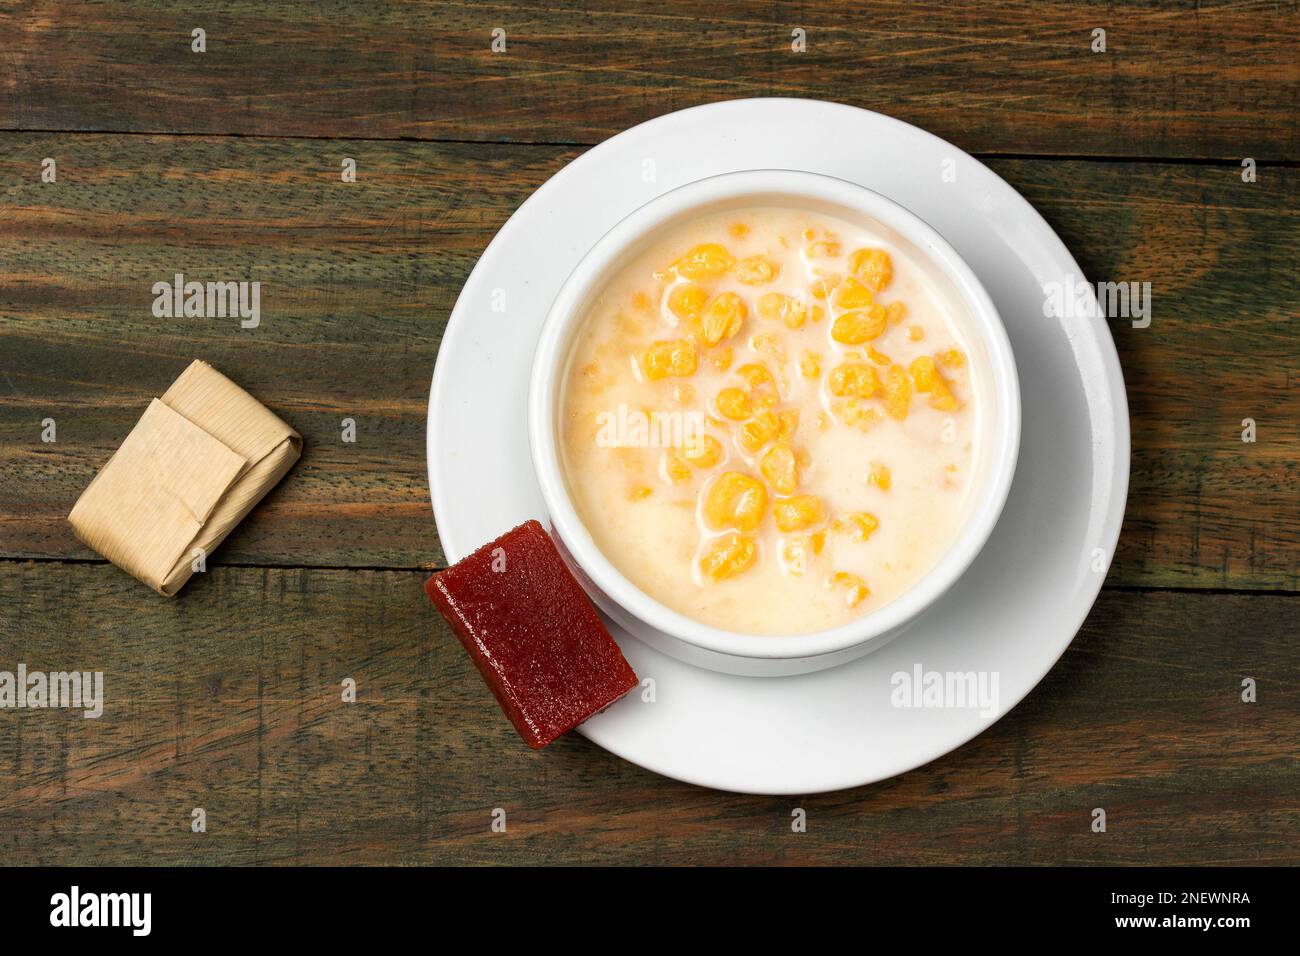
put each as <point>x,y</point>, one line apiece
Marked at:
<point>734,404</point>
<point>896,312</point>
<point>778,467</point>
<point>721,319</point>
<point>880,358</point>
<point>856,590</point>
<point>770,305</point>
<point>734,500</point>
<point>854,412</point>
<point>859,326</point>
<point>880,476</point>
<point>758,431</point>
<point>640,301</point>
<point>707,261</point>
<point>929,381</point>
<point>772,344</point>
<point>822,288</point>
<point>639,493</point>
<point>818,541</point>
<point>756,375</point>
<point>705,452</point>
<point>739,230</point>
<point>763,392</point>
<point>730,555</point>
<point>776,307</point>
<point>683,393</point>
<point>669,357</point>
<point>794,555</point>
<point>810,364</point>
<point>915,333</point>
<point>952,358</point>
<point>924,373</point>
<point>873,267</point>
<point>822,249</point>
<point>756,270</point>
<point>798,513</point>
<point>787,424</point>
<point>853,379</point>
<point>721,358</point>
<point>686,300</point>
<point>675,470</point>
<point>852,294</point>
<point>858,525</point>
<point>849,412</point>
<point>898,391</point>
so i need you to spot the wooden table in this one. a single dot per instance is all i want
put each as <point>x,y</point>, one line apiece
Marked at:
<point>227,162</point>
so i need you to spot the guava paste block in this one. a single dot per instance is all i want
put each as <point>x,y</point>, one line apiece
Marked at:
<point>533,633</point>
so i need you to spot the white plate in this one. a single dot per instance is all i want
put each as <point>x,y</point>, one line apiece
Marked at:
<point>1012,614</point>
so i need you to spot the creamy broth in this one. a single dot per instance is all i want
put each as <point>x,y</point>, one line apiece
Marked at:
<point>768,421</point>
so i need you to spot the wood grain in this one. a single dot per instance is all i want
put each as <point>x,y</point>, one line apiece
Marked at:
<point>358,281</point>
<point>240,714</point>
<point>1204,80</point>
<point>228,698</point>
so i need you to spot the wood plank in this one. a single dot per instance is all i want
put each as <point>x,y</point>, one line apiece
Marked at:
<point>359,280</point>
<point>1211,79</point>
<point>228,699</point>
<point>1205,509</point>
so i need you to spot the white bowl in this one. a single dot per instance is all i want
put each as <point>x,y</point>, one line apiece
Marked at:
<point>999,430</point>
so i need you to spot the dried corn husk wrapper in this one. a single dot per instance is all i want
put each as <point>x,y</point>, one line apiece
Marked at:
<point>195,464</point>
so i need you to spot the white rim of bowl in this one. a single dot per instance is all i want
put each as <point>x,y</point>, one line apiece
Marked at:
<point>768,186</point>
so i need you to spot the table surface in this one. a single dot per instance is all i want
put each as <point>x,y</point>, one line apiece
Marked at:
<point>227,162</point>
